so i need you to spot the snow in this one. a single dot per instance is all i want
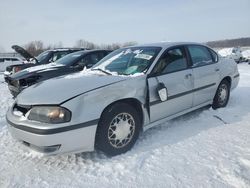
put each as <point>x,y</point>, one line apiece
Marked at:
<point>41,67</point>
<point>84,72</point>
<point>89,72</point>
<point>205,148</point>
<point>225,52</point>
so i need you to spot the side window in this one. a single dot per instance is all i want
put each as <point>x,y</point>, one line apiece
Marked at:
<point>101,55</point>
<point>1,60</point>
<point>83,61</point>
<point>57,55</point>
<point>173,60</point>
<point>15,59</point>
<point>89,60</point>
<point>7,59</point>
<point>200,56</point>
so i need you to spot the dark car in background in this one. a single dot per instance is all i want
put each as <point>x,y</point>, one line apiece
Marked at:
<point>71,63</point>
<point>45,57</point>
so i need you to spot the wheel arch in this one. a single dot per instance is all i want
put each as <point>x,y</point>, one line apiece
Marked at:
<point>135,103</point>
<point>229,79</point>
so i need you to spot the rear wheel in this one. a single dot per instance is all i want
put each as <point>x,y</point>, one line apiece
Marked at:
<point>222,95</point>
<point>118,129</point>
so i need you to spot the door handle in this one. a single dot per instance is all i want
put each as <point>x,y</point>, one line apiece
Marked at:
<point>187,76</point>
<point>217,69</point>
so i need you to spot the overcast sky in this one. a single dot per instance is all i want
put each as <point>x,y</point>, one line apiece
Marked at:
<point>108,21</point>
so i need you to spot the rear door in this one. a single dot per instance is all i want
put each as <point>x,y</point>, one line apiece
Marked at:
<point>205,73</point>
<point>172,69</point>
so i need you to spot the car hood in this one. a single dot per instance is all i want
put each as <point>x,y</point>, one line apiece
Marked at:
<point>23,52</point>
<point>35,69</point>
<point>60,89</point>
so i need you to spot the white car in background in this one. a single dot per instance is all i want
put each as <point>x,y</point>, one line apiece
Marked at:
<point>7,61</point>
<point>234,53</point>
<point>246,55</point>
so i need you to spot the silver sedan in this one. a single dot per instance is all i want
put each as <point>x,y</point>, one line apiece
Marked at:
<point>130,90</point>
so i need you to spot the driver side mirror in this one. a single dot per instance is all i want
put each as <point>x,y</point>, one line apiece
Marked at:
<point>162,92</point>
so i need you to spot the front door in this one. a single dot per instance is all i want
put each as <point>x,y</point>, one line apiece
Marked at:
<point>172,69</point>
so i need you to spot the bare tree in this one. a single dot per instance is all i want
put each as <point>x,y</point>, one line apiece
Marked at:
<point>131,43</point>
<point>90,45</point>
<point>35,47</point>
<point>229,43</point>
<point>85,44</point>
<point>58,45</point>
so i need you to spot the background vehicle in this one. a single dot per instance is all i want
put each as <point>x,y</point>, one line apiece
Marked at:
<point>10,61</point>
<point>70,63</point>
<point>246,55</point>
<point>46,57</point>
<point>232,53</point>
<point>130,90</point>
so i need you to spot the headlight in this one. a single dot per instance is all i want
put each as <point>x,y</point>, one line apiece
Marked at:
<point>49,114</point>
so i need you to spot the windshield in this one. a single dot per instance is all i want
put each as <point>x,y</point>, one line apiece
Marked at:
<point>129,61</point>
<point>70,58</point>
<point>42,56</point>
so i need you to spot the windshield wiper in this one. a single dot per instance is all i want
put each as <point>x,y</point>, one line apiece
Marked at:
<point>108,73</point>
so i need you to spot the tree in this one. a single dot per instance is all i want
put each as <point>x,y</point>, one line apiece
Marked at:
<point>85,44</point>
<point>35,47</point>
<point>131,43</point>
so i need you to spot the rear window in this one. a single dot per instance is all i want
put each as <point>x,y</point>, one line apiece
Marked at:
<point>70,58</point>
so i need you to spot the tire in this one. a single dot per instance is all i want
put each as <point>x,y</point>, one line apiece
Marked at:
<point>222,95</point>
<point>118,129</point>
<point>240,60</point>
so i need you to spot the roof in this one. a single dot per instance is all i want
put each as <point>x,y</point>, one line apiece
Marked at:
<point>169,44</point>
<point>66,49</point>
<point>82,52</point>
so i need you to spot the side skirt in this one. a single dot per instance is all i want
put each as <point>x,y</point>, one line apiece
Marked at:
<point>158,122</point>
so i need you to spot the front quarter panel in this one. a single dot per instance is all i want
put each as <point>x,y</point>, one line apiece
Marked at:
<point>89,106</point>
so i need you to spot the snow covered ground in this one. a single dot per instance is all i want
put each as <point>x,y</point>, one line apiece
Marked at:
<point>205,148</point>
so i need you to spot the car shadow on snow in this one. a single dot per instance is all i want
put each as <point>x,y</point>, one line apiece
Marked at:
<point>189,125</point>
<point>165,135</point>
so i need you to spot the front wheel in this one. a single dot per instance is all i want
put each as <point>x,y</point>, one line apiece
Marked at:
<point>118,129</point>
<point>222,95</point>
